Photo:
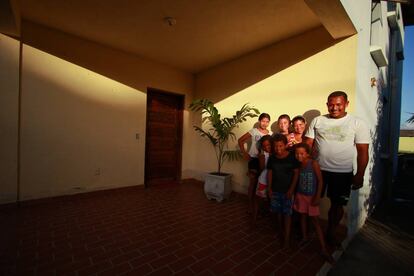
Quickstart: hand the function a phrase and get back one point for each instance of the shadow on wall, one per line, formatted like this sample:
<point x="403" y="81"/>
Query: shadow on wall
<point x="123" y="67"/>
<point x="78" y="130"/>
<point x="378" y="171"/>
<point x="224" y="80"/>
<point x="308" y="115"/>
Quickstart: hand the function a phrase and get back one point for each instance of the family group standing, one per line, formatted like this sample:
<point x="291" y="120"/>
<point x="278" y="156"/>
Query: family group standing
<point x="292" y="170"/>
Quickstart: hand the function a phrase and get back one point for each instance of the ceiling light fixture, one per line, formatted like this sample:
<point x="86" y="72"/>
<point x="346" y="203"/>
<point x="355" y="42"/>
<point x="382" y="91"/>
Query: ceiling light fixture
<point x="170" y="21"/>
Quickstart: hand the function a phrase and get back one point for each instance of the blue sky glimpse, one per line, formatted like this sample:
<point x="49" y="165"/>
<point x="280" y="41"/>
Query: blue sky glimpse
<point x="407" y="101"/>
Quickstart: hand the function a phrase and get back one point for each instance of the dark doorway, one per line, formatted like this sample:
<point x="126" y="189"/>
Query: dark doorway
<point x="164" y="133"/>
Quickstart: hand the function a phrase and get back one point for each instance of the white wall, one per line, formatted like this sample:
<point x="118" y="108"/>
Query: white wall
<point x="369" y="105"/>
<point x="9" y="93"/>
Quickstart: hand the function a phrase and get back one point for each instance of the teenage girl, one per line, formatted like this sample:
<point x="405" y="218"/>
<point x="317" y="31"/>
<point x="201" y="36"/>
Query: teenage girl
<point x="251" y="156"/>
<point x="299" y="126"/>
<point x="283" y="123"/>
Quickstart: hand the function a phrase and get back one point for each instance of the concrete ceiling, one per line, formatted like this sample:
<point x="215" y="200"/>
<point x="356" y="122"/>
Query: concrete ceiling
<point x="206" y="32"/>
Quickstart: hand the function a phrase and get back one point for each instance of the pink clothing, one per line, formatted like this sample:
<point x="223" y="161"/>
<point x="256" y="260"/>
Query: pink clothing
<point x="303" y="205"/>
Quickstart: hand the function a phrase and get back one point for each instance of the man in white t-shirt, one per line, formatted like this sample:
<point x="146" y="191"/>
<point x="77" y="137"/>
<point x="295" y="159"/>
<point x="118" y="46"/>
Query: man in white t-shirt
<point x="335" y="138"/>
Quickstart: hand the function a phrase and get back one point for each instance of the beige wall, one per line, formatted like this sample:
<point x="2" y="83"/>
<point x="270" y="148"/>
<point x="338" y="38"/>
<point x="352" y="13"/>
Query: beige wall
<point x="9" y="93"/>
<point x="299" y="89"/>
<point x="123" y="67"/>
<point x="227" y="79"/>
<point x="82" y="106"/>
<point x="78" y="129"/>
<point x="80" y="114"/>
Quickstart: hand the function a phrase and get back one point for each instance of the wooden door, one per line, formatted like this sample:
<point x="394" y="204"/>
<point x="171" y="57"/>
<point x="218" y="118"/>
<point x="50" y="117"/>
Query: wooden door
<point x="163" y="137"/>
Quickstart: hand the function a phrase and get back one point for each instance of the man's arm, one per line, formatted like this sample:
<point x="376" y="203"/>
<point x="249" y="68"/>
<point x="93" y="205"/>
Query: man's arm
<point x="362" y="162"/>
<point x="310" y="141"/>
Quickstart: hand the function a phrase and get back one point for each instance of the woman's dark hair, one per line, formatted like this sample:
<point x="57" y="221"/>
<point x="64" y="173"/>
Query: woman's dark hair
<point x="264" y="138"/>
<point x="280" y="138"/>
<point x="283" y="116"/>
<point x="264" y="115"/>
<point x="304" y="146"/>
<point x="298" y="118"/>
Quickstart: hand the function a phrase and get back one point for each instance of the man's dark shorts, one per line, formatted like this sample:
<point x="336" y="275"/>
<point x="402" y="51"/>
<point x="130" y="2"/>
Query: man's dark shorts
<point x="339" y="186"/>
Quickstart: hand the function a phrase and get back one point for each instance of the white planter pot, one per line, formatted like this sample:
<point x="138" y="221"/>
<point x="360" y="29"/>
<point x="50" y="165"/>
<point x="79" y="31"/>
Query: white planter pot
<point x="217" y="187"/>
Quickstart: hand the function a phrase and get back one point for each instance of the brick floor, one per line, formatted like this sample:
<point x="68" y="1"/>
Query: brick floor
<point x="162" y="230"/>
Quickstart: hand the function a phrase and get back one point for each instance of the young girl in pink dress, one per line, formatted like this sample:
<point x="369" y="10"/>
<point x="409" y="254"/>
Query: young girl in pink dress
<point x="308" y="195"/>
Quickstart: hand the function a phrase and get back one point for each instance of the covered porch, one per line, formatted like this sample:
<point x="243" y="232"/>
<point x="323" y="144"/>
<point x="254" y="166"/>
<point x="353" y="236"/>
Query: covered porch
<point x="170" y="229"/>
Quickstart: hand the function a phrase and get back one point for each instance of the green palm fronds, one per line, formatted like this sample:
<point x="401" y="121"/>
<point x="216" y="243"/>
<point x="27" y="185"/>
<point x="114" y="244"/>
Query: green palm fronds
<point x="221" y="130"/>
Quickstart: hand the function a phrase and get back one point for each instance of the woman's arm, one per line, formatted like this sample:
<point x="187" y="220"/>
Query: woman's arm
<point x="242" y="140"/>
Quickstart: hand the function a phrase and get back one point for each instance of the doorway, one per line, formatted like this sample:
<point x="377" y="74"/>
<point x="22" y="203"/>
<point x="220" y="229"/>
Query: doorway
<point x="164" y="133"/>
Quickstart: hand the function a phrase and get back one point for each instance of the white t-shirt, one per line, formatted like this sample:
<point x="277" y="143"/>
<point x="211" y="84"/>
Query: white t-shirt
<point x="335" y="141"/>
<point x="256" y="135"/>
<point x="263" y="174"/>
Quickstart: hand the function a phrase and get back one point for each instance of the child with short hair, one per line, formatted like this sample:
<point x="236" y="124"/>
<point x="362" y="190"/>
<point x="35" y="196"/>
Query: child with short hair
<point x="308" y="194"/>
<point x="284" y="123"/>
<point x="265" y="148"/>
<point x="251" y="156"/>
<point x="280" y="178"/>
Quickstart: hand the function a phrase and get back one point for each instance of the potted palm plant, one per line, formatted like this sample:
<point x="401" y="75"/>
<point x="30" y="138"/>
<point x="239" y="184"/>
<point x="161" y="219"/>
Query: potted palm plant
<point x="217" y="184"/>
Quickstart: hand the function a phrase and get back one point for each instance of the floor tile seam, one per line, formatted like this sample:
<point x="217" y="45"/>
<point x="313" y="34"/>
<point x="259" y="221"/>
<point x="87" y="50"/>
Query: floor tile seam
<point x="280" y="265"/>
<point x="183" y="268"/>
<point x="134" y="267"/>
<point x="97" y="265"/>
<point x="120" y="264"/>
<point x="302" y="266"/>
<point x="234" y="262"/>
<point x="126" y="254"/>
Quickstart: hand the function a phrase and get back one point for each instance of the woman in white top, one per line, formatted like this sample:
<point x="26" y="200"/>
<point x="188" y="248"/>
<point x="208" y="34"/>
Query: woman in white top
<point x="251" y="156"/>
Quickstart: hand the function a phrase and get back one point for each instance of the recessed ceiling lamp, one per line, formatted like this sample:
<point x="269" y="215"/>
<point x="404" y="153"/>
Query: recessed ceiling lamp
<point x="170" y="21"/>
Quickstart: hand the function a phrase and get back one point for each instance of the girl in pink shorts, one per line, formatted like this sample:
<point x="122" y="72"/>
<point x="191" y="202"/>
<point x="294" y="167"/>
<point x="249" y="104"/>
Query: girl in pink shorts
<point x="308" y="195"/>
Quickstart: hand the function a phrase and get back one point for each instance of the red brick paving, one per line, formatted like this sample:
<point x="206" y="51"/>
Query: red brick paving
<point x="162" y="230"/>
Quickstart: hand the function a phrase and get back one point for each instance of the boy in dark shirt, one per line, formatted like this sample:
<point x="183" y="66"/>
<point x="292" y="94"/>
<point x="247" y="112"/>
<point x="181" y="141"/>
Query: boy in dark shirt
<point x="281" y="178"/>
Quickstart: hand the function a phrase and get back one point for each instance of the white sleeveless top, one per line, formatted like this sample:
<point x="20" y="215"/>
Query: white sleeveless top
<point x="263" y="174"/>
<point x="256" y="135"/>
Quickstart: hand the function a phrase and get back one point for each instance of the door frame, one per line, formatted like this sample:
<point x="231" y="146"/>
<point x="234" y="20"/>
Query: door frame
<point x="181" y="100"/>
